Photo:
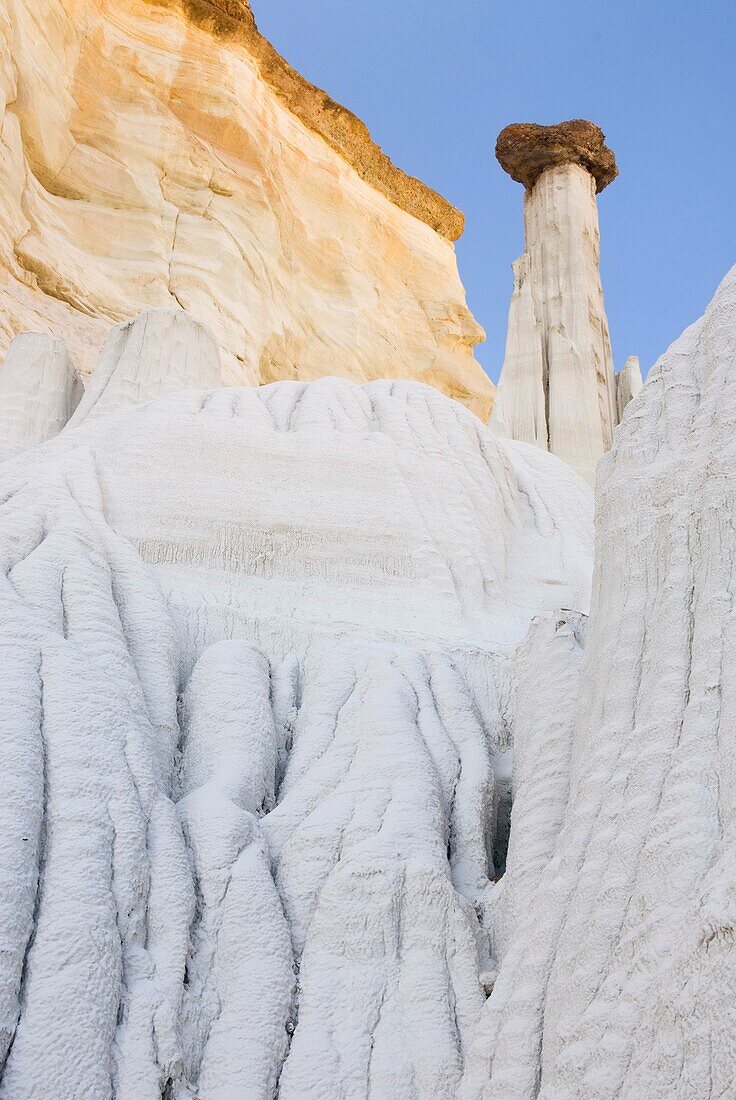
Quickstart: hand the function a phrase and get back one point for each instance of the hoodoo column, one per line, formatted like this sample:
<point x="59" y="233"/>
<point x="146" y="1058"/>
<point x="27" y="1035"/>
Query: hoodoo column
<point x="558" y="386"/>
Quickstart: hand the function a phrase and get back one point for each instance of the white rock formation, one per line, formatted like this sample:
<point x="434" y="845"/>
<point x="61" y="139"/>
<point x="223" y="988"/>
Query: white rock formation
<point x="254" y="646"/>
<point x="161" y="351"/>
<point x="557" y="388"/>
<point x="162" y="155"/>
<point x="239" y="974"/>
<point x="618" y="976"/>
<point x="546" y="686"/>
<point x="628" y="384"/>
<point x="520" y="409"/>
<point x="263" y="654"/>
<point x="39" y="391"/>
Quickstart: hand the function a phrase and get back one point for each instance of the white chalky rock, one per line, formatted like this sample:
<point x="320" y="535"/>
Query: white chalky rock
<point x="520" y="409"/>
<point x="379" y="848"/>
<point x="159" y="352"/>
<point x="240" y="978"/>
<point x="280" y="885"/>
<point x="557" y="387"/>
<point x="96" y="896"/>
<point x="39" y="391"/>
<point x="628" y="384"/>
<point x="263" y="652"/>
<point x="546" y="686"/>
<point x="619" y="977"/>
<point x="406" y="515"/>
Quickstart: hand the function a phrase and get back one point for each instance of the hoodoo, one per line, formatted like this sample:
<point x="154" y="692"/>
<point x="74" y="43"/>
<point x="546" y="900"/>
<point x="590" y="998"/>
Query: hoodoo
<point x="558" y="386"/>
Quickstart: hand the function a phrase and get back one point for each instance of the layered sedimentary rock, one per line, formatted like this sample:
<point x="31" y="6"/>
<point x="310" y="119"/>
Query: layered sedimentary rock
<point x="256" y="686"/>
<point x="617" y="972"/>
<point x="157" y="154"/>
<point x="557" y="387"/>
<point x="525" y="150"/>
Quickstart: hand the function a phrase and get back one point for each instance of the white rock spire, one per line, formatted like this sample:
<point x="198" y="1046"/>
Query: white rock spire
<point x="558" y="386"/>
<point x="628" y="384"/>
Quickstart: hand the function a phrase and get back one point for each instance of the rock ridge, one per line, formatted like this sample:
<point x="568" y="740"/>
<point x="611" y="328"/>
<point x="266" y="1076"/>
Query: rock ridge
<point x="341" y="129"/>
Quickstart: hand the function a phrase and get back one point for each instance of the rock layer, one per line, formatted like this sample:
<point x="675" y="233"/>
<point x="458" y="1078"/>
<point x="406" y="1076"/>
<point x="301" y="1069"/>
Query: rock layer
<point x="628" y="384"/>
<point x="161" y="351"/>
<point x="255" y="729"/>
<point x="233" y="20"/>
<point x="39" y="391"/>
<point x="161" y="154"/>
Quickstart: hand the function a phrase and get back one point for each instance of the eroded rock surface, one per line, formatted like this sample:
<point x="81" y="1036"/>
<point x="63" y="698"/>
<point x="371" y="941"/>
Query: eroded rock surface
<point x="264" y="654"/>
<point x="163" y="155"/>
<point x="617" y="979"/>
<point x="256" y="656"/>
<point x="628" y="384"/>
<point x="557" y="387"/>
<point x="162" y="351"/>
<point x="233" y="21"/>
<point x="39" y="391"/>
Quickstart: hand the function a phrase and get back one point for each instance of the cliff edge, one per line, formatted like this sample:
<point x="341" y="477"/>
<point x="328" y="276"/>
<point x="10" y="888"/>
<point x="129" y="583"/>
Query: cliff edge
<point x="163" y="154"/>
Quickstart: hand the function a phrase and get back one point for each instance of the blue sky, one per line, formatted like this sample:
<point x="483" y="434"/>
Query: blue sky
<point x="436" y="82"/>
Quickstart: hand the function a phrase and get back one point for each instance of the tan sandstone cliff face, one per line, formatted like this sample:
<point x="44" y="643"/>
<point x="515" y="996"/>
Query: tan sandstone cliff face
<point x="156" y="153"/>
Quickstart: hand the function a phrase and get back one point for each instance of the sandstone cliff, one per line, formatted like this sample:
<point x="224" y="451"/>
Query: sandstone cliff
<point x="160" y="152"/>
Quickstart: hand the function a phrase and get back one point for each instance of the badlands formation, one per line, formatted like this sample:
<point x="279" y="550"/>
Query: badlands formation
<point x="343" y="753"/>
<point x="258" y="683"/>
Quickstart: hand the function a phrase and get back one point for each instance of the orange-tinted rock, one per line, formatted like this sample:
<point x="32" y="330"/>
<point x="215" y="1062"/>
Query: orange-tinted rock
<point x="233" y="20"/>
<point x="162" y="155"/>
